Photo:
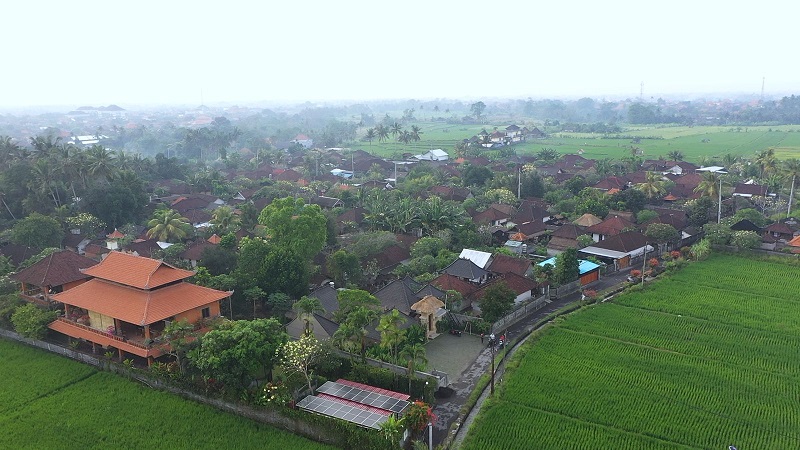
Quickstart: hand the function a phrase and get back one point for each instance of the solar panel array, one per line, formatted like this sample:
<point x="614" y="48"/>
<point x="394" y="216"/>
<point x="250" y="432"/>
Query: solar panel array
<point x="349" y="413"/>
<point x="359" y="395"/>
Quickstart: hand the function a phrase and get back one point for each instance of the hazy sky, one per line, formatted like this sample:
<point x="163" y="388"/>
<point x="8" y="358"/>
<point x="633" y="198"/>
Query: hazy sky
<point x="163" y="52"/>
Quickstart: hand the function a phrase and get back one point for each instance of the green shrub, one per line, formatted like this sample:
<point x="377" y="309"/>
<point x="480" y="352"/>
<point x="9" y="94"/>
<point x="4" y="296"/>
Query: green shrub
<point x="31" y="321"/>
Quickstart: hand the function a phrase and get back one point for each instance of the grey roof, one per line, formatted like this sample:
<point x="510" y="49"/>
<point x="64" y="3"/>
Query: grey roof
<point x="329" y="298"/>
<point x="396" y="295"/>
<point x="464" y="268"/>
<point x="430" y="289"/>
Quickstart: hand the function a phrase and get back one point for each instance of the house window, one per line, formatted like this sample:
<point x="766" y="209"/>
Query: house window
<point x="206" y="313"/>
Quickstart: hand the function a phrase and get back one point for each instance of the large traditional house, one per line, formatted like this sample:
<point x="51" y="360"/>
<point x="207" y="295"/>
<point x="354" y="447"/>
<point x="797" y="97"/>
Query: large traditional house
<point x="129" y="301"/>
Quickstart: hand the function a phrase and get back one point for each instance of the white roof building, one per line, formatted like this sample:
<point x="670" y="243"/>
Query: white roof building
<point x="433" y="155"/>
<point x="480" y="259"/>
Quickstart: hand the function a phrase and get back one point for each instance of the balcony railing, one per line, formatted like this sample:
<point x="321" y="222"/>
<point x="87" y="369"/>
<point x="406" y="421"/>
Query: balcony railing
<point x="103" y="333"/>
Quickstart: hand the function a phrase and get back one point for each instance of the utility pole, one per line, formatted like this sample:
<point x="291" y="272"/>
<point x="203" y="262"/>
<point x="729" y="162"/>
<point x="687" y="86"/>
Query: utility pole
<point x="519" y="182"/>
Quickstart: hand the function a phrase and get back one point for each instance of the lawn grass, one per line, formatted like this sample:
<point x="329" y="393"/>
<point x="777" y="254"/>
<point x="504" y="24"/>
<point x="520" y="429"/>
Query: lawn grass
<point x="705" y="359"/>
<point x="52" y="402"/>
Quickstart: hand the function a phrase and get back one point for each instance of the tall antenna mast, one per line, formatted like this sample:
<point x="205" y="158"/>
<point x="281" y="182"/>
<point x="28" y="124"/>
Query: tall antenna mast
<point x="763" y="80"/>
<point x="641" y="91"/>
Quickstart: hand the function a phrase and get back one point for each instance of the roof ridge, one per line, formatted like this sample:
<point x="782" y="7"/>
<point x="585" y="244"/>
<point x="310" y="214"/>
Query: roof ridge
<point x="146" y="308"/>
<point x="147" y="283"/>
<point x="47" y="269"/>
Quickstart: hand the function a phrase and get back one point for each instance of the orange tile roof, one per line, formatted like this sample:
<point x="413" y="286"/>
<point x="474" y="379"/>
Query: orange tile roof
<point x="136" y="271"/>
<point x="138" y="306"/>
<point x="214" y="239"/>
<point x="794" y="242"/>
<point x="116" y="235"/>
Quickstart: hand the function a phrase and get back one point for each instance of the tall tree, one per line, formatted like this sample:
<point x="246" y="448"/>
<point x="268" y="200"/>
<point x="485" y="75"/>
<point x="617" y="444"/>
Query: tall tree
<point x="292" y="224"/>
<point x="370" y="136"/>
<point x="237" y="352"/>
<point x="37" y="231"/>
<point x="391" y="334"/>
<point x="791" y="170"/>
<point x="307" y="307"/>
<point x="414" y="355"/>
<point x="497" y="301"/>
<point x="566" y="269"/>
<point x="396" y="129"/>
<point x="477" y="109"/>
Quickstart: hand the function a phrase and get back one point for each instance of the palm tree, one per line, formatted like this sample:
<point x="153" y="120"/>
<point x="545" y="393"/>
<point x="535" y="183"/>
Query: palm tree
<point x="395" y="129"/>
<point x="415" y="133"/>
<point x="382" y="132"/>
<point x="225" y="220"/>
<point x="652" y="186"/>
<point x="766" y="161"/>
<point x="168" y="225"/>
<point x="391" y="334"/>
<point x="709" y="186"/>
<point x="413" y="354"/>
<point x="405" y="137"/>
<point x="44" y="180"/>
<point x="675" y="155"/>
<point x="307" y="307"/>
<point x="791" y="169"/>
<point x="604" y="167"/>
<point x="101" y="161"/>
<point x="370" y="136"/>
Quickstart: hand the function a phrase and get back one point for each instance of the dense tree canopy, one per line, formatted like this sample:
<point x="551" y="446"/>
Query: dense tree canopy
<point x="293" y="224"/>
<point x="37" y="231"/>
<point x="497" y="301"/>
<point x="237" y="352"/>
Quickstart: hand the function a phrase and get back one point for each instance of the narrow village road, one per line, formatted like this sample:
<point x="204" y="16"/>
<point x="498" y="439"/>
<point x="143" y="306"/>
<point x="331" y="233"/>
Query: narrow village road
<point x="447" y="409"/>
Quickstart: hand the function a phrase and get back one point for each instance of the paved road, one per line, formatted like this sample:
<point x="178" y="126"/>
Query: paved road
<point x="447" y="409"/>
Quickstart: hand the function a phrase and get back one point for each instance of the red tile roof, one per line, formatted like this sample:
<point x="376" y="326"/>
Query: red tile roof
<point x="610" y="227"/>
<point x="116" y="234"/>
<point x="137" y="306"/>
<point x="136" y="271"/>
<point x="504" y="264"/>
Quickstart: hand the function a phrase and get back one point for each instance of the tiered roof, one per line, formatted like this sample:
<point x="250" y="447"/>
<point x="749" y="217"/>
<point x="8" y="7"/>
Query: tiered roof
<point x="136" y="271"/>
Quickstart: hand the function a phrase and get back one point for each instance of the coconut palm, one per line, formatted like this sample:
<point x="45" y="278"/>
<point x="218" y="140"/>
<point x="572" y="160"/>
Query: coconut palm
<point x="604" y="167"/>
<point x="44" y="180"/>
<point x="791" y="170"/>
<point x="382" y="133"/>
<point x="307" y="307"/>
<point x="168" y="225"/>
<point x="709" y="186"/>
<point x="766" y="161"/>
<point x="415" y="133"/>
<point x="395" y="129"/>
<point x="391" y="334"/>
<point x="675" y="155"/>
<point x="101" y="161"/>
<point x="652" y="186"/>
<point x="370" y="136"/>
<point x="414" y="355"/>
<point x="225" y="220"/>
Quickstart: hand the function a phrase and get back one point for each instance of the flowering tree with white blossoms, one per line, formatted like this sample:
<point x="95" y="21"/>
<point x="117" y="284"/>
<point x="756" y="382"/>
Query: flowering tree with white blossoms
<point x="298" y="356"/>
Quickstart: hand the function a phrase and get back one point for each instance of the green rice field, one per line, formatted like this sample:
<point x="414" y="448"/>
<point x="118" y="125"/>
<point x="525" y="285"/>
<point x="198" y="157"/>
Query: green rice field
<point x="48" y="402"/>
<point x="696" y="143"/>
<point x="704" y="359"/>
